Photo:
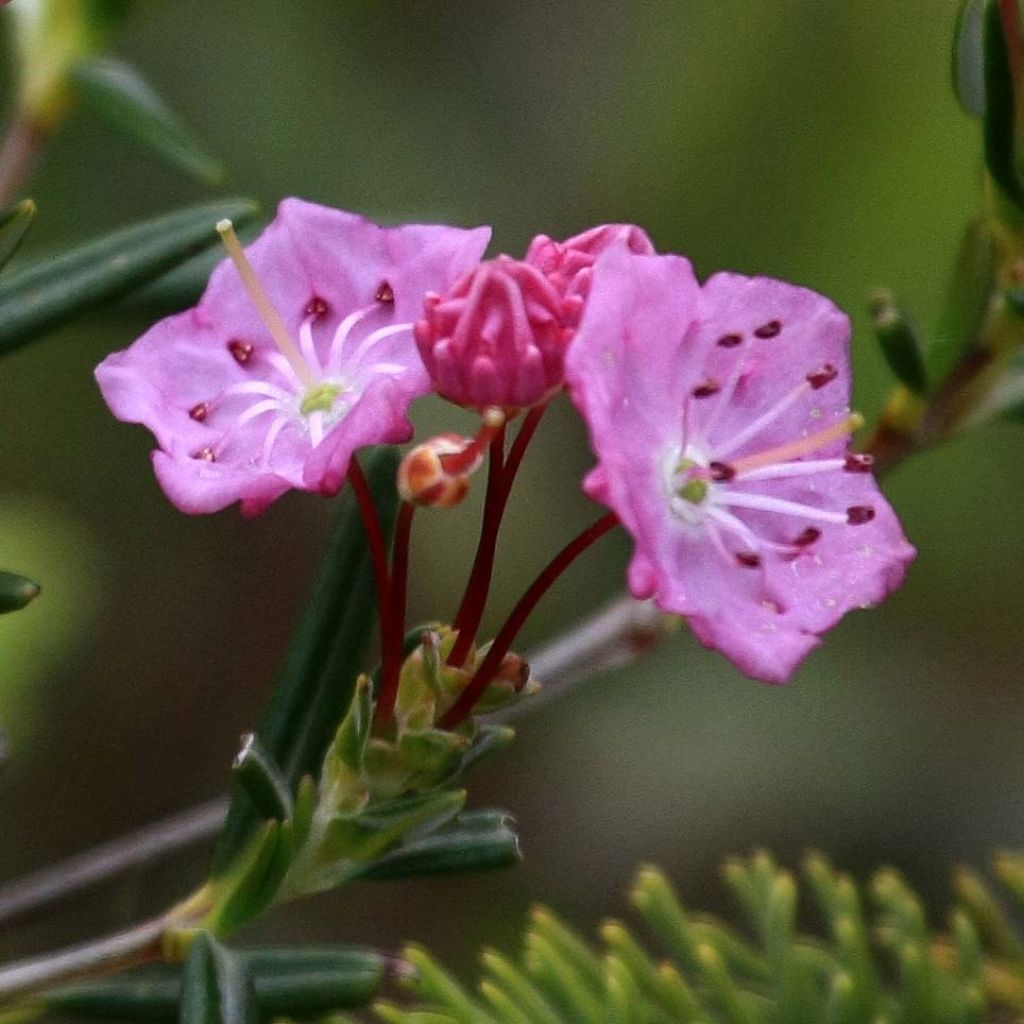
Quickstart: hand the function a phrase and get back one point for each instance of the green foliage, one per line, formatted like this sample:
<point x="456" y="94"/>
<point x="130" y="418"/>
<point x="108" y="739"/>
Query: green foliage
<point x="302" y="982"/>
<point x="15" y="221"/>
<point x="118" y="92"/>
<point x="865" y="966"/>
<point x="1000" y="107"/>
<point x="44" y="295"/>
<point x="899" y="341"/>
<point x="317" y="681"/>
<point x="16" y="591"/>
<point x="969" y="58"/>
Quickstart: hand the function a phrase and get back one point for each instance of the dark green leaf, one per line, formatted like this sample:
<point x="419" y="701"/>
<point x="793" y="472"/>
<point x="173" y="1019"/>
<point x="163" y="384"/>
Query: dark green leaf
<point x="16" y="591"/>
<point x="899" y="341"/>
<point x="41" y="297"/>
<point x="965" y="306"/>
<point x="476" y="841"/>
<point x="1000" y="123"/>
<point x="301" y="982"/>
<point x="119" y="93"/>
<point x="317" y="681"/>
<point x="104" y="15"/>
<point x="215" y="986"/>
<point x="14" y="224"/>
<point x="969" y="57"/>
<point x="261" y="778"/>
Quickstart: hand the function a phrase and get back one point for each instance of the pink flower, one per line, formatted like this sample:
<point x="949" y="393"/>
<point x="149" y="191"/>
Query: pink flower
<point x="242" y="412"/>
<point x="497" y="338"/>
<point x="720" y="419"/>
<point x="568" y="265"/>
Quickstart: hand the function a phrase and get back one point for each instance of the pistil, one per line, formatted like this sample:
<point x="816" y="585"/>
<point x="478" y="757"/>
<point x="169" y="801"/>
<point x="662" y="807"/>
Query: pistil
<point x="797" y="449"/>
<point x="264" y="306"/>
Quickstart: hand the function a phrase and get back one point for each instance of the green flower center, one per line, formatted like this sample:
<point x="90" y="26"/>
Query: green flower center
<point x="320" y="398"/>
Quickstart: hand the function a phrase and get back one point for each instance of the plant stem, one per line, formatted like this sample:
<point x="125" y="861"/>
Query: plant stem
<point x="139" y="945"/>
<point x="507" y="634"/>
<point x="392" y="655"/>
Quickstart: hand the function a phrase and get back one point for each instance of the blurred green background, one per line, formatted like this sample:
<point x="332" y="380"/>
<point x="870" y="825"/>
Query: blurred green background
<point x="815" y="142"/>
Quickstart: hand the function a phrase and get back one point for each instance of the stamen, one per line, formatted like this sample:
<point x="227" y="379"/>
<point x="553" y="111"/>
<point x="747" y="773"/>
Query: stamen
<point x="748" y="559"/>
<point x="807" y="537"/>
<point x="822" y="376"/>
<point x="859" y="462"/>
<point x="375" y="338"/>
<point x="206" y="454"/>
<point x="264" y="306"/>
<point x="341" y="336"/>
<point x="721" y="471"/>
<point x="858" y="515"/>
<point x="385" y="293"/>
<point x="317" y="307"/>
<point x="780" y="506"/>
<point x="709" y="387"/>
<point x="800" y="467"/>
<point x="764" y="420"/>
<point x="199" y="412"/>
<point x="307" y="345"/>
<point x="730" y="340"/>
<point x="768" y="330"/>
<point x="804" y="446"/>
<point x="241" y="351"/>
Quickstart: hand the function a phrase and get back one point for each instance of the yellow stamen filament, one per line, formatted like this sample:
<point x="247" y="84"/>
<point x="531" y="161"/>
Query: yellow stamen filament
<point x="263" y="304"/>
<point x="805" y="446"/>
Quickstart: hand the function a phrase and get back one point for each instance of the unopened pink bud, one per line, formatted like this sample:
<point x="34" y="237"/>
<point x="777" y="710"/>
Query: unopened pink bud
<point x="568" y="265"/>
<point x="498" y="338"/>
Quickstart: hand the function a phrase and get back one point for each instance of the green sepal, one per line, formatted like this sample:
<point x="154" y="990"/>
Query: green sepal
<point x="900" y="342"/>
<point x="475" y="841"/>
<point x="215" y="986"/>
<point x="14" y="224"/>
<point x="46" y="294"/>
<point x="1000" y="123"/>
<point x="251" y="887"/>
<point x="119" y="93"/>
<point x="258" y="774"/>
<point x="342" y="788"/>
<point x="318" y="679"/>
<point x="300" y="982"/>
<point x="968" y="65"/>
<point x="368" y="834"/>
<point x="16" y="592"/>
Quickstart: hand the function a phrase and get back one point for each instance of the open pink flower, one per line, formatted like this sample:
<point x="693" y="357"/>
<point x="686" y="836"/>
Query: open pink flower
<point x="242" y="412"/>
<point x="721" y="423"/>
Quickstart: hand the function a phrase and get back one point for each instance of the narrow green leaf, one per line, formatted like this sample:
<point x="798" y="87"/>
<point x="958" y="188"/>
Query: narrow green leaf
<point x="477" y="841"/>
<point x="215" y="987"/>
<point x="969" y="58"/>
<point x="261" y="778"/>
<point x="44" y="295"/>
<point x="16" y="591"/>
<point x="251" y="887"/>
<point x="14" y="224"/>
<point x="899" y="341"/>
<point x="317" y="681"/>
<point x="119" y="93"/>
<point x="301" y="982"/>
<point x="1000" y="122"/>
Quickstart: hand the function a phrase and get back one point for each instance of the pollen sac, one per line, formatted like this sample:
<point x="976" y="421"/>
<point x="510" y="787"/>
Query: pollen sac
<point x="498" y="338"/>
<point x="423" y="478"/>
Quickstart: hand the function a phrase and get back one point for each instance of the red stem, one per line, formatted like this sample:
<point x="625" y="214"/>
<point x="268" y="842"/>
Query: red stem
<point x="391" y="668"/>
<point x="507" y="634"/>
<point x="499" y="486"/>
<point x="378" y="547"/>
<point x="467" y="619"/>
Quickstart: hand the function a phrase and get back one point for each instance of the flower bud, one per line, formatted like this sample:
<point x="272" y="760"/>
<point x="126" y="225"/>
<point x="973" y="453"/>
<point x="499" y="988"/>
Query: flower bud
<point x="423" y="479"/>
<point x="498" y="338"/>
<point x="568" y="265"/>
